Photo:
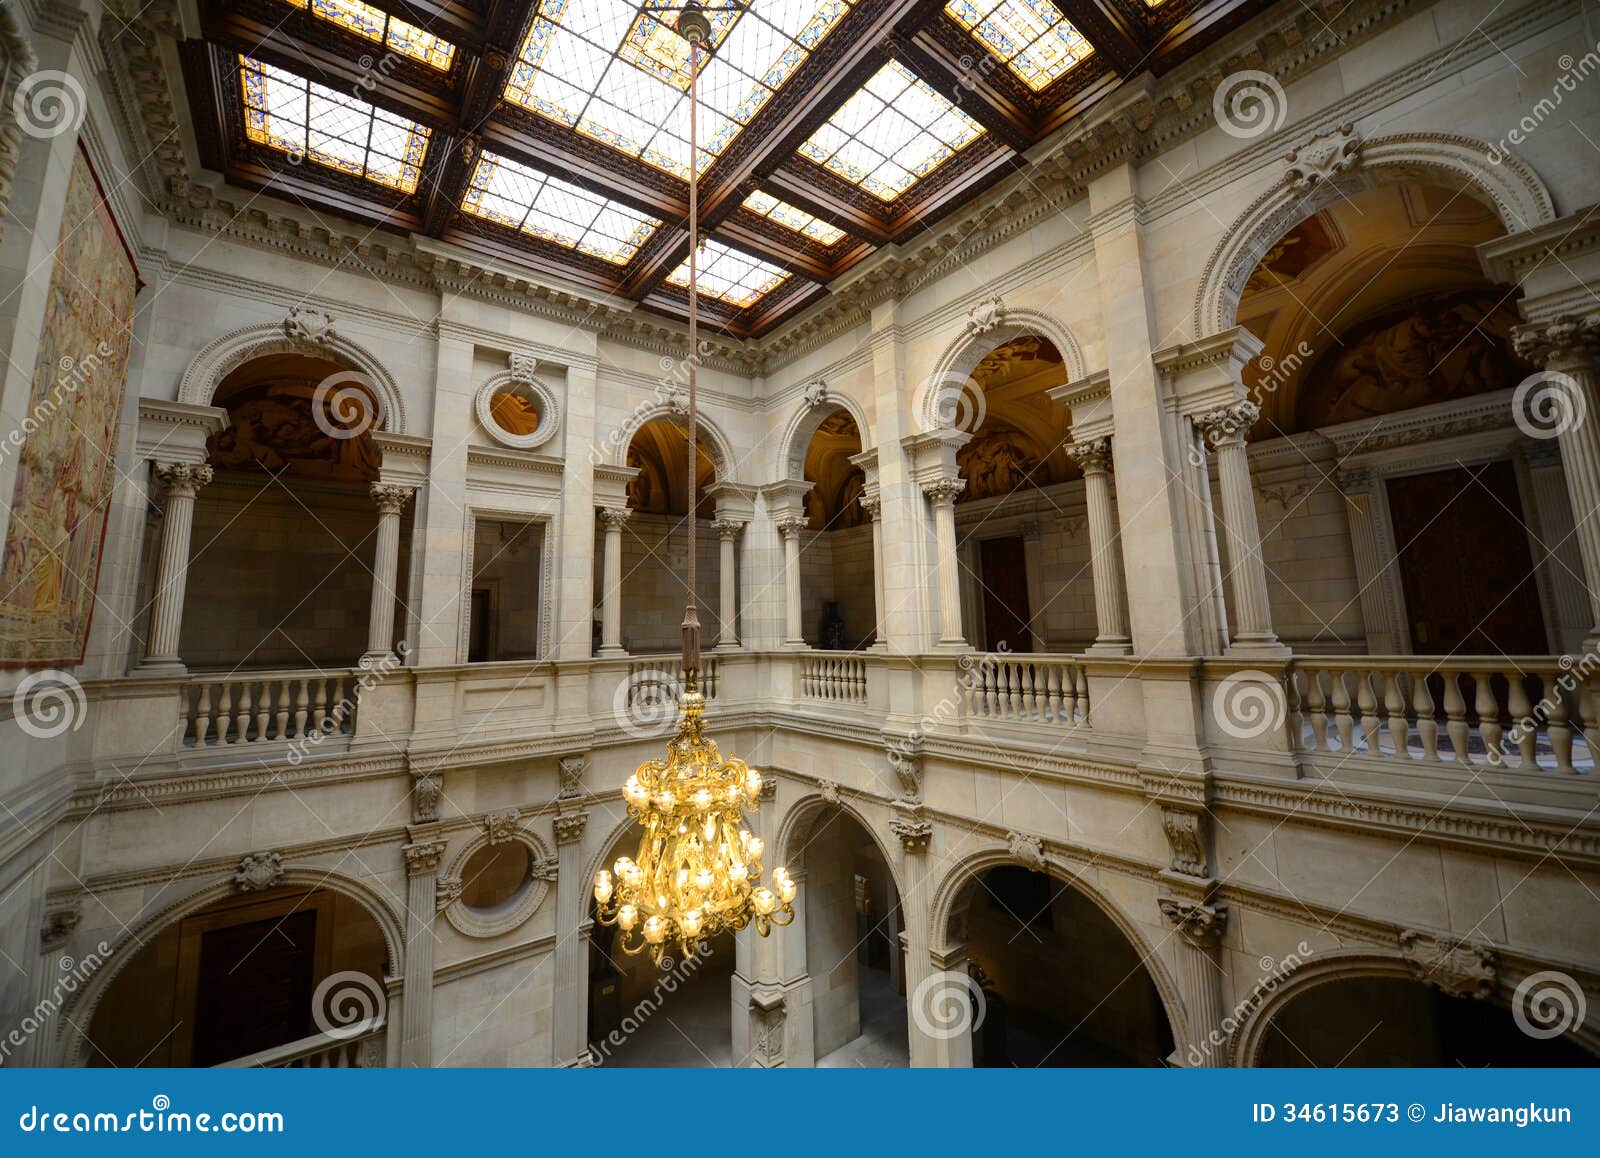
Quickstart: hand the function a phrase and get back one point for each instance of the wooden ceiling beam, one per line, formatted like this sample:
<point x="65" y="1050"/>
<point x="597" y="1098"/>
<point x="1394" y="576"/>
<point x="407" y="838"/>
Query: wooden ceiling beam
<point x="964" y="85"/>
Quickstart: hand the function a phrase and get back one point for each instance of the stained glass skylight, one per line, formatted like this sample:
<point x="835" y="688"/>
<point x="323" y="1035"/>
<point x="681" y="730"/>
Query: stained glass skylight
<point x="542" y="206"/>
<point x="796" y="219"/>
<point x="381" y="28"/>
<point x="1033" y="38"/>
<point x="730" y="276"/>
<point x="620" y="76"/>
<point x="891" y="134"/>
<point x="305" y="120"/>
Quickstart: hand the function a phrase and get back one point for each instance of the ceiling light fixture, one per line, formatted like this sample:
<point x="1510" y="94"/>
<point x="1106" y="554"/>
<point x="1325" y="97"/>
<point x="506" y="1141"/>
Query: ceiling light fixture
<point x="698" y="869"/>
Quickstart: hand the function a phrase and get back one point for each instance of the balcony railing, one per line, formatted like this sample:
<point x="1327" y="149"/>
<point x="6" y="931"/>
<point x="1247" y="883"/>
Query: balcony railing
<point x="652" y="678"/>
<point x="321" y="1051"/>
<point x="1050" y="690"/>
<point x="837" y="677"/>
<point x="250" y="707"/>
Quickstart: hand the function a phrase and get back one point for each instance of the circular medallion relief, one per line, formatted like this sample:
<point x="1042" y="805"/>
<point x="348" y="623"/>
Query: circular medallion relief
<point x="518" y="411"/>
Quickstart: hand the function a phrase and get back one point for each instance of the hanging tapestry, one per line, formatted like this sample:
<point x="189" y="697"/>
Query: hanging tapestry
<point x="66" y="458"/>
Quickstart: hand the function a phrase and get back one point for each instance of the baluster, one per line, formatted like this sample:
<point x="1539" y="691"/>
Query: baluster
<point x="1341" y="710"/>
<point x="1317" y="708"/>
<point x="1082" y="674"/>
<point x="1488" y="708"/>
<point x="1297" y="721"/>
<point x="1455" y="711"/>
<point x="1394" y="705"/>
<point x="300" y="700"/>
<point x="280" y="721"/>
<point x="224" y="712"/>
<point x="189" y="696"/>
<point x="263" y="708"/>
<point x="1050" y="709"/>
<point x="1035" y="700"/>
<point x="1524" y="728"/>
<point x="1367" y="704"/>
<point x="1427" y="722"/>
<point x="319" y="705"/>
<point x="241" y="718"/>
<point x="1582" y="714"/>
<point x="1559" y="727"/>
<point x="202" y="715"/>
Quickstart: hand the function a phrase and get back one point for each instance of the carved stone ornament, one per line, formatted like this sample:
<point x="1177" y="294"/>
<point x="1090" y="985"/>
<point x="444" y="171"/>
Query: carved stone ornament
<point x="816" y="394"/>
<point x="546" y="870"/>
<point x="769" y="789"/>
<point x="183" y="478"/>
<point x="496" y="58"/>
<point x="614" y="516"/>
<point x="1199" y="924"/>
<point x="390" y="497"/>
<point x="523" y="367"/>
<point x="258" y="871"/>
<point x="425" y="793"/>
<point x="570" y="769"/>
<point x="501" y="826"/>
<point x="913" y="835"/>
<point x="872" y="505"/>
<point x="1092" y="454"/>
<point x="307" y="325"/>
<point x="1227" y="423"/>
<point x="60" y="921"/>
<point x="446" y="892"/>
<point x="570" y="828"/>
<point x="908" y="770"/>
<point x="1186" y="836"/>
<point x="1323" y="157"/>
<point x="830" y="792"/>
<point x="768" y="1020"/>
<point x="944" y="490"/>
<point x="677" y="401"/>
<point x="423" y="856"/>
<point x="727" y="529"/>
<point x="1026" y="850"/>
<point x="792" y="526"/>
<point x="1563" y="343"/>
<point x="1459" y="968"/>
<point x="987" y="315"/>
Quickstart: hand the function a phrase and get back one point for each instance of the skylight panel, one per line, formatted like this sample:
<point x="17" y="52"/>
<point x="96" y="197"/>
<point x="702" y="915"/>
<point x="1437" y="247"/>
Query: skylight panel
<point x="305" y="120"/>
<point x="1033" y="38"/>
<point x="542" y="206"/>
<point x="792" y="218"/>
<point x="621" y="76"/>
<point x="730" y="276"/>
<point x="891" y="134"/>
<point x="381" y="28"/>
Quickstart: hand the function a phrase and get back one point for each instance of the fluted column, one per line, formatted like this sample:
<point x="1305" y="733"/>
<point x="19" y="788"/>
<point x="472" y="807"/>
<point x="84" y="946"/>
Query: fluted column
<point x="391" y="500"/>
<point x="1564" y="403"/>
<point x="926" y="989"/>
<point x="571" y="1015"/>
<point x="1200" y="927"/>
<point x="1105" y="553"/>
<point x="612" y="519"/>
<point x="873" y="505"/>
<point x="1224" y="430"/>
<point x="728" y="581"/>
<point x="422" y="883"/>
<point x="183" y="480"/>
<point x="942" y="494"/>
<point x="793" y="628"/>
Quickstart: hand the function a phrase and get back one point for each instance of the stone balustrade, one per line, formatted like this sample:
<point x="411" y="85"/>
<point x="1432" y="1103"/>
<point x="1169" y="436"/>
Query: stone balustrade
<point x="321" y="1051"/>
<point x="1050" y="690"/>
<point x="838" y="677"/>
<point x="255" y="707"/>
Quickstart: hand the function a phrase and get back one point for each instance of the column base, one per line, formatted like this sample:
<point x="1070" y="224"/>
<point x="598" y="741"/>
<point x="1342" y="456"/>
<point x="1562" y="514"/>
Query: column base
<point x="161" y="666"/>
<point x="952" y="645"/>
<point x="1111" y="646"/>
<point x="879" y="645"/>
<point x="614" y="652"/>
<point x="584" y="1061"/>
<point x="731" y="645"/>
<point x="378" y="656"/>
<point x="1264" y="646"/>
<point x="796" y="645"/>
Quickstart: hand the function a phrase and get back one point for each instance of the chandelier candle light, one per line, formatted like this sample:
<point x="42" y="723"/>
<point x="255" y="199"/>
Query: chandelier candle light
<point x="698" y="868"/>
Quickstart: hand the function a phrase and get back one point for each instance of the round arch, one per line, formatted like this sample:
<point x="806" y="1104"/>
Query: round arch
<point x="712" y="439"/>
<point x="802" y="817"/>
<point x="227" y="353"/>
<point x="1249" y="1039"/>
<point x="603" y="854"/>
<point x="803" y="424"/>
<point x="956" y="889"/>
<point x="961" y="357"/>
<point x="1517" y="194"/>
<point x="78" y="1012"/>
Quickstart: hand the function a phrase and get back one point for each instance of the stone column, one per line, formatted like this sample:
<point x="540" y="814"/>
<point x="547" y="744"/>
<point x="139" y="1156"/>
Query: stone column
<point x="182" y="479"/>
<point x="942" y="494"/>
<point x="1564" y="403"/>
<point x="1556" y="550"/>
<point x="927" y="991"/>
<point x="613" y="519"/>
<point x="571" y="1017"/>
<point x="873" y="505"/>
<point x="1375" y="570"/>
<point x="728" y="579"/>
<point x="391" y="500"/>
<point x="1200" y="928"/>
<point x="422" y="882"/>
<point x="793" y="628"/>
<point x="1224" y="431"/>
<point x="1105" y="553"/>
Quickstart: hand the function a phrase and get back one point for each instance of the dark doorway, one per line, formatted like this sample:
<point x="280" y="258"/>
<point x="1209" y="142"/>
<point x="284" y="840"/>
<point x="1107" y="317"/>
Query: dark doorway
<point x="254" y="987"/>
<point x="1465" y="565"/>
<point x="1003" y="572"/>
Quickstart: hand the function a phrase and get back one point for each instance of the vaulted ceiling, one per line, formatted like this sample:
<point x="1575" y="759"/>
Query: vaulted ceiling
<point x="553" y="134"/>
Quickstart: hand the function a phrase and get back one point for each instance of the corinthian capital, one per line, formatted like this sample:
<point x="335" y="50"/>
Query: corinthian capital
<point x="1199" y="924"/>
<point x="1564" y="343"/>
<point x="614" y="516"/>
<point x="1227" y="424"/>
<point x="944" y="490"/>
<point x="390" y="497"/>
<point x="183" y="478"/>
<point x="1091" y="455"/>
<point x="792" y="526"/>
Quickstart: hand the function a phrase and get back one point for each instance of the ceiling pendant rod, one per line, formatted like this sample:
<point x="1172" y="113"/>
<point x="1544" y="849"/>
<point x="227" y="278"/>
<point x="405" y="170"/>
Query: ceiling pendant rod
<point x="693" y="27"/>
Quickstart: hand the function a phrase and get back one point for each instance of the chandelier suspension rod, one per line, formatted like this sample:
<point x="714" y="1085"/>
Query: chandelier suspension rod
<point x="691" y="613"/>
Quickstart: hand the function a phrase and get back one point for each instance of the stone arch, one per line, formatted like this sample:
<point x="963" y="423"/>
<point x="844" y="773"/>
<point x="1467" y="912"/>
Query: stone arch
<point x="955" y="891"/>
<point x="803" y="424"/>
<point x="711" y="439"/>
<point x="78" y="1012"/>
<point x="802" y="817"/>
<point x="227" y="353"/>
<point x="1465" y="164"/>
<point x="601" y="859"/>
<point x="976" y="342"/>
<point x="1249" y="1038"/>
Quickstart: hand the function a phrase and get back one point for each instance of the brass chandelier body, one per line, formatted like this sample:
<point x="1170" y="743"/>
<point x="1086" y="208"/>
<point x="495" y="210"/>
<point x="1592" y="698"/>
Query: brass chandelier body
<point x="698" y="869"/>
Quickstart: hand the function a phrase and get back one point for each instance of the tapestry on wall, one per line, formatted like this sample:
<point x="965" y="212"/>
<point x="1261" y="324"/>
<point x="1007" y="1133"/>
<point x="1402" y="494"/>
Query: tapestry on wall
<point x="65" y="465"/>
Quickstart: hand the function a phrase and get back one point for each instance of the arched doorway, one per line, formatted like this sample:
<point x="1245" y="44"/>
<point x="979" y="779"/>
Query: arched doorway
<point x="1395" y="1021"/>
<point x="676" y="1014"/>
<point x="1061" y="984"/>
<point x="239" y="976"/>
<point x="836" y="557"/>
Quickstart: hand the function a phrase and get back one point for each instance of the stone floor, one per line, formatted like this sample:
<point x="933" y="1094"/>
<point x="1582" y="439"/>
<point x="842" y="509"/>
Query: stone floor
<point x="693" y="1028"/>
<point x="883" y="1042"/>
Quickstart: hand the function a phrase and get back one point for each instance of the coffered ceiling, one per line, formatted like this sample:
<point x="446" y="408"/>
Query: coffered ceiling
<point x="554" y="134"/>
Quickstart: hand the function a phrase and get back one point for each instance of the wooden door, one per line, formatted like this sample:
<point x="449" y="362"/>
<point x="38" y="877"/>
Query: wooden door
<point x="1465" y="566"/>
<point x="253" y="987"/>
<point x="1003" y="571"/>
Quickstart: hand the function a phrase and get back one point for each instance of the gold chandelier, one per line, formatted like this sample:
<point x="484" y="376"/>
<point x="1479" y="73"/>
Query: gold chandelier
<point x="698" y="869"/>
